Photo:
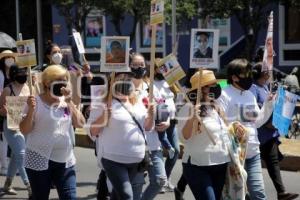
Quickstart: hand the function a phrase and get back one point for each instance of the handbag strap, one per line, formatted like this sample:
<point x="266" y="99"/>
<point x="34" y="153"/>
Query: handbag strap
<point x="135" y="120"/>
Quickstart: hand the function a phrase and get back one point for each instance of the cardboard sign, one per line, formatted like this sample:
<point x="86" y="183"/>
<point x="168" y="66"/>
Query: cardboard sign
<point x="15" y="106"/>
<point x="26" y="53"/>
<point x="157" y="12"/>
<point x="283" y="111"/>
<point x="267" y="64"/>
<point x="79" y="42"/>
<point x="171" y="69"/>
<point x="204" y="48"/>
<point x="115" y="54"/>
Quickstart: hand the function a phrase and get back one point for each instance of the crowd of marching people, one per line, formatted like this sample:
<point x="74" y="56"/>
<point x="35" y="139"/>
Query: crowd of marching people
<point x="226" y="132"/>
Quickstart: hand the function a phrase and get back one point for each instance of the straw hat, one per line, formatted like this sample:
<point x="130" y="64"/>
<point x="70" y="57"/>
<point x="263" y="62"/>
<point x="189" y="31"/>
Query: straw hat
<point x="208" y="78"/>
<point x="7" y="53"/>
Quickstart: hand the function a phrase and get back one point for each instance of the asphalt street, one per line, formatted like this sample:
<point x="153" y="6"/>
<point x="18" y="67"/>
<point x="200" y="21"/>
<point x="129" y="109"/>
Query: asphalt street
<point x="87" y="174"/>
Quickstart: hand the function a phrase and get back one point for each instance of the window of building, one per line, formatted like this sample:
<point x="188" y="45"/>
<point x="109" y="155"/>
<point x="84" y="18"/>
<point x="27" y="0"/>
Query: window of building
<point x="289" y="36"/>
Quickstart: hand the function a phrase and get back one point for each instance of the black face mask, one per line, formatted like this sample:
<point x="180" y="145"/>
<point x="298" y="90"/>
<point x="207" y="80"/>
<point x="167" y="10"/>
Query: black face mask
<point x="21" y="79"/>
<point x="215" y="91"/>
<point x="244" y="83"/>
<point x="139" y="72"/>
<point x="124" y="88"/>
<point x="192" y="95"/>
<point x="57" y="89"/>
<point x="159" y="76"/>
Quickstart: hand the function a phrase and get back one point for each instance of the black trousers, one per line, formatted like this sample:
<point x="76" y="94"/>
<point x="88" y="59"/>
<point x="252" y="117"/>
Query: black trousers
<point x="271" y="155"/>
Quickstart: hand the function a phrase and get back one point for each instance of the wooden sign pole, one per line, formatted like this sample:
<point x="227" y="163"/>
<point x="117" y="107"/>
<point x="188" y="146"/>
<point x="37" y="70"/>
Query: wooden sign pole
<point x="29" y="71"/>
<point x="110" y="94"/>
<point x="152" y="61"/>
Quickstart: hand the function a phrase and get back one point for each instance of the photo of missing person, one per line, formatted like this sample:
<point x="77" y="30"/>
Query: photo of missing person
<point x="94" y="30"/>
<point x="116" y="51"/>
<point x="146" y="34"/>
<point x="203" y="45"/>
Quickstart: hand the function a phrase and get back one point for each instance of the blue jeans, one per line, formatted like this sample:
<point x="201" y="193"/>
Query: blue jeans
<point x="255" y="182"/>
<point x="157" y="176"/>
<point x="16" y="142"/>
<point x="63" y="178"/>
<point x="121" y="176"/>
<point x="206" y="182"/>
<point x="174" y="141"/>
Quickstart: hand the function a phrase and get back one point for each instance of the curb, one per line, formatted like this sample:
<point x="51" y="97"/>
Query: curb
<point x="290" y="149"/>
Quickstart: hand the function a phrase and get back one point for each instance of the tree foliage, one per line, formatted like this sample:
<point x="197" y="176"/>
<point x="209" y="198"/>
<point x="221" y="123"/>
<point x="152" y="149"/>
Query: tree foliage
<point x="75" y="12"/>
<point x="186" y="10"/>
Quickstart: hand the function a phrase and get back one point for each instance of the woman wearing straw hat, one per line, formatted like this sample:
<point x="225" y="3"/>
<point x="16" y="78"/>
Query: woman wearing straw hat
<point x="15" y="138"/>
<point x="205" y="155"/>
<point x="7" y="59"/>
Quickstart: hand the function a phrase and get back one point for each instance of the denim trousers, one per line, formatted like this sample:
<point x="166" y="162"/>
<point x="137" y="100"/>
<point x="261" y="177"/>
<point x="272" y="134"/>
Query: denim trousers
<point x="63" y="178"/>
<point x="16" y="142"/>
<point x="121" y="176"/>
<point x="174" y="141"/>
<point x="157" y="178"/>
<point x="206" y="182"/>
<point x="255" y="182"/>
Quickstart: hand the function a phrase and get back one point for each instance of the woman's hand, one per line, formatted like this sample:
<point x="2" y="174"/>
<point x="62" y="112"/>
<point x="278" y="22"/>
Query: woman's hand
<point x="162" y="126"/>
<point x="31" y="102"/>
<point x="67" y="94"/>
<point x="239" y="130"/>
<point x="3" y="110"/>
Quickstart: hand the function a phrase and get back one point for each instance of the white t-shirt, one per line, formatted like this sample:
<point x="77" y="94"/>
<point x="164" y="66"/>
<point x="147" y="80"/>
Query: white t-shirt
<point x="199" y="148"/>
<point x="122" y="141"/>
<point x="242" y="106"/>
<point x="50" y="137"/>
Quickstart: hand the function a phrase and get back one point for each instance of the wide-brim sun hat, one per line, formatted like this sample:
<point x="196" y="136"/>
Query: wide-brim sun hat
<point x="8" y="53"/>
<point x="208" y="78"/>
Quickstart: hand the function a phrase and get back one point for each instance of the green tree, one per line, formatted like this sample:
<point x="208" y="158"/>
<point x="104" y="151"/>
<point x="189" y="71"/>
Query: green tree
<point x="186" y="11"/>
<point x="75" y="12"/>
<point x="251" y="14"/>
<point x="118" y="9"/>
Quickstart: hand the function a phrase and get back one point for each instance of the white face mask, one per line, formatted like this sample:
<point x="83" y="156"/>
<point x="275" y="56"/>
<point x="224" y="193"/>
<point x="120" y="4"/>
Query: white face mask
<point x="56" y="58"/>
<point x="9" y="62"/>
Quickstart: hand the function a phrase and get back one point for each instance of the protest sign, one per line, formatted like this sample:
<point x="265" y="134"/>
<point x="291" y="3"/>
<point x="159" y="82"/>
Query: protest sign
<point x="26" y="53"/>
<point x="79" y="42"/>
<point x="98" y="93"/>
<point x="15" y="106"/>
<point x="157" y="12"/>
<point x="95" y="29"/>
<point x="284" y="109"/>
<point x="171" y="69"/>
<point x="204" y="48"/>
<point x="115" y="54"/>
<point x="267" y="64"/>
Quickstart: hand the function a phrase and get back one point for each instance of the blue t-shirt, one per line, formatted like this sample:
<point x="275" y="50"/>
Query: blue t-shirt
<point x="265" y="134"/>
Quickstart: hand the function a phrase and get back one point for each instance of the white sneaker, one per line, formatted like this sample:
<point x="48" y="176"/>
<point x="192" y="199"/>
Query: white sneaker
<point x="169" y="187"/>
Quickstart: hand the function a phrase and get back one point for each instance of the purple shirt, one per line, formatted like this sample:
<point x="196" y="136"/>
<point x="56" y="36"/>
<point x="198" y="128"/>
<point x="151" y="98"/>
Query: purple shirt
<point x="261" y="93"/>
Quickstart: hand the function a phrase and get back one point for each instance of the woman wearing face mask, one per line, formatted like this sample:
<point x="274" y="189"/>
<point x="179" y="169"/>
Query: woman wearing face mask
<point x="15" y="139"/>
<point x="157" y="173"/>
<point x="166" y="124"/>
<point x="204" y="163"/>
<point x="7" y="59"/>
<point x="47" y="123"/>
<point x="123" y="146"/>
<point x="239" y="104"/>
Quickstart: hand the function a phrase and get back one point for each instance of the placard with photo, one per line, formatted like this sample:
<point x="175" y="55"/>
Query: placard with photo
<point x="115" y="54"/>
<point x="157" y="12"/>
<point x="94" y="29"/>
<point x="171" y="69"/>
<point x="26" y="53"/>
<point x="204" y="48"/>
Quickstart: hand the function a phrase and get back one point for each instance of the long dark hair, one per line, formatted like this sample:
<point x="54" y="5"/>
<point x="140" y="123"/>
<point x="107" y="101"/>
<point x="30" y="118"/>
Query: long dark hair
<point x="49" y="47"/>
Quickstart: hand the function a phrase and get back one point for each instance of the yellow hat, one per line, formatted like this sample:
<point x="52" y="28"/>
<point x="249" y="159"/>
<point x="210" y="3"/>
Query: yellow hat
<point x="208" y="78"/>
<point x="7" y="53"/>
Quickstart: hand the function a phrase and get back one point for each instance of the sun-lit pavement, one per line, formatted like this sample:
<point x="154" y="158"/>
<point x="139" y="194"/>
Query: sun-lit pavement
<point x="87" y="174"/>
